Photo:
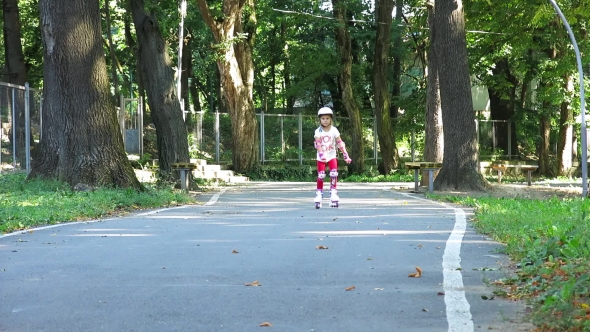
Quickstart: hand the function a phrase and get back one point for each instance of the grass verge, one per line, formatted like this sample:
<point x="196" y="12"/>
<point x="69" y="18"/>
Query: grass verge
<point x="550" y="241"/>
<point x="26" y="204"/>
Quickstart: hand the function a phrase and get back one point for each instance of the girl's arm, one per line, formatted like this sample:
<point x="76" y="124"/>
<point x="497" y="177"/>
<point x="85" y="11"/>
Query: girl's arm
<point x="342" y="147"/>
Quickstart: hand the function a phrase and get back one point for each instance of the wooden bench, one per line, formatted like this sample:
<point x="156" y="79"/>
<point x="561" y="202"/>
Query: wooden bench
<point x="185" y="171"/>
<point x="501" y="168"/>
<point x="425" y="166"/>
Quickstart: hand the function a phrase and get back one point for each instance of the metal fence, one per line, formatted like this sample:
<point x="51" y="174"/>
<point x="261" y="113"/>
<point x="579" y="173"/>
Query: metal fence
<point x="283" y="137"/>
<point x="20" y="125"/>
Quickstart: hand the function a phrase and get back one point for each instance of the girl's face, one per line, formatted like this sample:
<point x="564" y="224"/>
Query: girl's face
<point x="325" y="120"/>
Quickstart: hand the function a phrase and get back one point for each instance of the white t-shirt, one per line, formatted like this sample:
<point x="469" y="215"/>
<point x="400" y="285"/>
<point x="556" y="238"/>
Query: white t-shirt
<point x="328" y="142"/>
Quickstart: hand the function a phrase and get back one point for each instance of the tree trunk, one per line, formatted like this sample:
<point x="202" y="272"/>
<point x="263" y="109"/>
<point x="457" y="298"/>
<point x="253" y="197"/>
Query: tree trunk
<point x="114" y="76"/>
<point x="17" y="73"/>
<point x="237" y="75"/>
<point x="503" y="109"/>
<point x="343" y="39"/>
<point x="82" y="142"/>
<point x="397" y="60"/>
<point x="434" y="138"/>
<point x="459" y="171"/>
<point x="545" y="132"/>
<point x="158" y="77"/>
<point x="389" y="154"/>
<point x="565" y="142"/>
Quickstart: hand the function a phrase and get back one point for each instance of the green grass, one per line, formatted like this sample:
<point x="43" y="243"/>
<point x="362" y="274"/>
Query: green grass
<point x="550" y="241"/>
<point x="26" y="204"/>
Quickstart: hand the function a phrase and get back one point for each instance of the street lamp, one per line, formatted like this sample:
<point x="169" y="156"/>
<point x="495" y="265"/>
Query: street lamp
<point x="582" y="101"/>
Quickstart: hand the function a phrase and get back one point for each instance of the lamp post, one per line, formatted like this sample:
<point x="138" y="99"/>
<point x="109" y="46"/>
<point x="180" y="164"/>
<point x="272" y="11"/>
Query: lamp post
<point x="582" y="101"/>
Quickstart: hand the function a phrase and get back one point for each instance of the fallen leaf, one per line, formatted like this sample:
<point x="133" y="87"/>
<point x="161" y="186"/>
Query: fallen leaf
<point x="485" y="297"/>
<point x="235" y="252"/>
<point x="334" y="219"/>
<point x="441" y="293"/>
<point x="424" y="309"/>
<point x="420" y="246"/>
<point x="418" y="273"/>
<point x="321" y="247"/>
<point x="437" y="247"/>
<point x="266" y="324"/>
<point x="253" y="284"/>
<point x="349" y="288"/>
<point x="378" y="288"/>
<point x="369" y="259"/>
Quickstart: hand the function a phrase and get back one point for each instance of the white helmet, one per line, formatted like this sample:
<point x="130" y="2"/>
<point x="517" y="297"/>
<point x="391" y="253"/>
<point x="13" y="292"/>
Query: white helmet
<point x="325" y="111"/>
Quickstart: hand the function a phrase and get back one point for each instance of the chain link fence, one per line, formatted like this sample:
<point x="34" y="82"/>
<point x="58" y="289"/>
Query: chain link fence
<point x="20" y="125"/>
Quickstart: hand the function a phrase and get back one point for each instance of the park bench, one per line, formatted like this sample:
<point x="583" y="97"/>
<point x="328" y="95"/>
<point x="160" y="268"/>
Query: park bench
<point x="501" y="168"/>
<point x="185" y="170"/>
<point x="424" y="166"/>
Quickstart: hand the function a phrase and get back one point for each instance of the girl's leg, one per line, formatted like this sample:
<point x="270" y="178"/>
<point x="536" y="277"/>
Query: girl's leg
<point x="321" y="175"/>
<point x="333" y="166"/>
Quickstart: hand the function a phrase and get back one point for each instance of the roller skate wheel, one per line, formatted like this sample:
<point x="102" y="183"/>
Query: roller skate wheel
<point x="318" y="205"/>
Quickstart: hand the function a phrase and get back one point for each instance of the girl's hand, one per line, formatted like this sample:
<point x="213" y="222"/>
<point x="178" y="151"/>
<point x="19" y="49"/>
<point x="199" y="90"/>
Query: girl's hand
<point x="347" y="158"/>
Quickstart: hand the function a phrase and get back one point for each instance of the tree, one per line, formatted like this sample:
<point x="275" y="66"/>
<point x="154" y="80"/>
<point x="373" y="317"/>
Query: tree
<point x="389" y="154"/>
<point x="235" y="39"/>
<point x="158" y="78"/>
<point x="460" y="164"/>
<point x="345" y="80"/>
<point x="17" y="71"/>
<point x="81" y="144"/>
<point x="434" y="140"/>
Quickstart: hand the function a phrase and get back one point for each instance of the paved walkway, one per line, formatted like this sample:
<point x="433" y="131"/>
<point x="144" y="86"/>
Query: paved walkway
<point x="186" y="268"/>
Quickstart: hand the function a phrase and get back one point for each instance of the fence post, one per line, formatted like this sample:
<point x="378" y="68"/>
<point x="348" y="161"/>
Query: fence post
<point x="140" y="123"/>
<point x="27" y="129"/>
<point x="300" y="139"/>
<point x="14" y="124"/>
<point x="375" y="139"/>
<point x="217" y="136"/>
<point x="122" y="117"/>
<point x="262" y="136"/>
<point x="282" y="139"/>
<point x="509" y="124"/>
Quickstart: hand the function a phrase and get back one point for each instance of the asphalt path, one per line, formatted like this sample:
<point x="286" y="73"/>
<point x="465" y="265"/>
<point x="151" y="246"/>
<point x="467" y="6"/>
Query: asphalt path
<point x="260" y="254"/>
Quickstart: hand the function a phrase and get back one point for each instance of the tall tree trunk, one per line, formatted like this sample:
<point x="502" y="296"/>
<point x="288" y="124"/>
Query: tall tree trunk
<point x="158" y="77"/>
<point x="345" y="79"/>
<point x="237" y="75"/>
<point x="397" y="60"/>
<point x="544" y="147"/>
<point x="385" y="131"/>
<point x="502" y="108"/>
<point x="114" y="76"/>
<point x="565" y="141"/>
<point x="459" y="169"/>
<point x="82" y="143"/>
<point x="286" y="69"/>
<point x="434" y="145"/>
<point x="17" y="73"/>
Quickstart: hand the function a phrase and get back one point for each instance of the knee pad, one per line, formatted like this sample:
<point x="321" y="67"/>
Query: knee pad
<point x="334" y="173"/>
<point x="321" y="175"/>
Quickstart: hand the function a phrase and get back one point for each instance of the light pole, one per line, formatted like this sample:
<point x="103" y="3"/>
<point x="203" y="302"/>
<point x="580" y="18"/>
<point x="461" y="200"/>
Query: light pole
<point x="582" y="101"/>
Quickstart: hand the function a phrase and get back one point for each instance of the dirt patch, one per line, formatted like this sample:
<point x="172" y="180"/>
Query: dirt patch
<point x="535" y="191"/>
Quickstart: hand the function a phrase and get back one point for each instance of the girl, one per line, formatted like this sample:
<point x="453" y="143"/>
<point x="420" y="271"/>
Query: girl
<point x="327" y="139"/>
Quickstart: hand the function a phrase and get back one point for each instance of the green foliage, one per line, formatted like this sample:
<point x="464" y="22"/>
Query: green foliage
<point x="26" y="204"/>
<point x="551" y="240"/>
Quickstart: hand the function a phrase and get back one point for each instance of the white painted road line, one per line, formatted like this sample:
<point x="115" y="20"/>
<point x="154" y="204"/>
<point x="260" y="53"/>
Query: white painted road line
<point x="215" y="197"/>
<point x="458" y="309"/>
